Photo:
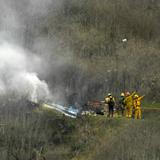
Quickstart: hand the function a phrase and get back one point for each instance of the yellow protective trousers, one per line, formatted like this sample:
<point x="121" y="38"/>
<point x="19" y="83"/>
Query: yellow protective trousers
<point x="128" y="111"/>
<point x="138" y="113"/>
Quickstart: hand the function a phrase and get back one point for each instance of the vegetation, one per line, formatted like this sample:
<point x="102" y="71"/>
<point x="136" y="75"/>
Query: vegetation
<point x="48" y="135"/>
<point x="85" y="57"/>
<point x="91" y="33"/>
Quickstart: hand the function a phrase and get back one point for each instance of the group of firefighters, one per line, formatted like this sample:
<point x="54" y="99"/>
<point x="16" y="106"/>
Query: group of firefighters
<point x="129" y="105"/>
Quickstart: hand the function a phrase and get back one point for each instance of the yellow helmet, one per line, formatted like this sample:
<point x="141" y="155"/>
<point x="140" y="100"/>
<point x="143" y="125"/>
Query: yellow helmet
<point x="122" y="94"/>
<point x="136" y="96"/>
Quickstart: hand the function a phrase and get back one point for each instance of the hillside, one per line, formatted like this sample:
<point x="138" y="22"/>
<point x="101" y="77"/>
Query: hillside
<point x="71" y="54"/>
<point x="90" y="34"/>
<point x="45" y="134"/>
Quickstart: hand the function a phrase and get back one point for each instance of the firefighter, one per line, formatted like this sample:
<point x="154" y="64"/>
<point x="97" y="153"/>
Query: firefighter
<point x="137" y="106"/>
<point x="107" y="98"/>
<point x="128" y="104"/>
<point x="121" y="104"/>
<point x="111" y="103"/>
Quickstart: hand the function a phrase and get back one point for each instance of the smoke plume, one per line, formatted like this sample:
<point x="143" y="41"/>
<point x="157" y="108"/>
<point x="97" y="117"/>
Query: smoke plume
<point x="19" y="66"/>
<point x="17" y="73"/>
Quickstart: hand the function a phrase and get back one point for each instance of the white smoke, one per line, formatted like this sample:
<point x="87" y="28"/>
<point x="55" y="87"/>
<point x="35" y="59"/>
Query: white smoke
<point x="18" y="67"/>
<point x="17" y="74"/>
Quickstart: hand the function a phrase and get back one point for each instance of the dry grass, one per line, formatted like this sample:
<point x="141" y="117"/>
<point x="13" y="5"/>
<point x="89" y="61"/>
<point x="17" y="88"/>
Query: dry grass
<point x="39" y="135"/>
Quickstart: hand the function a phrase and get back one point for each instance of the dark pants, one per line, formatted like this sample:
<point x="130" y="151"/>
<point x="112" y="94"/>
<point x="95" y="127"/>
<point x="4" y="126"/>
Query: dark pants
<point x="121" y="110"/>
<point x="111" y="110"/>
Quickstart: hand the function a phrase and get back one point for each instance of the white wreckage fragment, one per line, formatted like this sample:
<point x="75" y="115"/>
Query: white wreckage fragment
<point x="67" y="111"/>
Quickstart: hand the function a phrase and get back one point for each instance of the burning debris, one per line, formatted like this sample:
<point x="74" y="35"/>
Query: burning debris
<point x="67" y="111"/>
<point x="91" y="108"/>
<point x="95" y="106"/>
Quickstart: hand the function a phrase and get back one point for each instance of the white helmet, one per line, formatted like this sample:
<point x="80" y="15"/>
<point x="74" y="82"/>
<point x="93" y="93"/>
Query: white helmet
<point x="122" y="94"/>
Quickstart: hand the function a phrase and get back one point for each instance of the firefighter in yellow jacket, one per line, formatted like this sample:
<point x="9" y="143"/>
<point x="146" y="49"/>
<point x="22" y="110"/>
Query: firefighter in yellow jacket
<point x="129" y="104"/>
<point x="137" y="107"/>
